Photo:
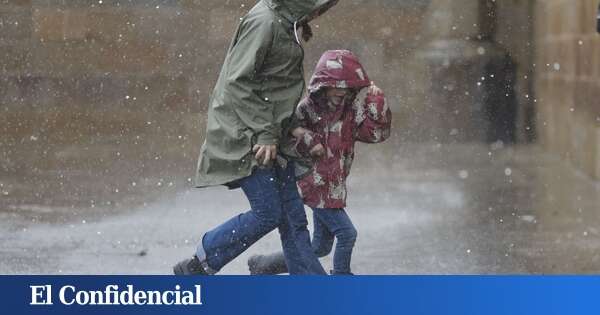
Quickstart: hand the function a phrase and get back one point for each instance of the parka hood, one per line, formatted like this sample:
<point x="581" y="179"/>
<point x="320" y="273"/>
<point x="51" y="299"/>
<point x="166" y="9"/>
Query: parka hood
<point x="338" y="69"/>
<point x="301" y="11"/>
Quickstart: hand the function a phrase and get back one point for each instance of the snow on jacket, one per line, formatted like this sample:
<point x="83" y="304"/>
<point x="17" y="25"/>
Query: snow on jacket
<point x="363" y="117"/>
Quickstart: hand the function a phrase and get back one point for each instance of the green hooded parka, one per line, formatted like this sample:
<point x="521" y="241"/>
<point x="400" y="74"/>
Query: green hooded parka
<point x="258" y="89"/>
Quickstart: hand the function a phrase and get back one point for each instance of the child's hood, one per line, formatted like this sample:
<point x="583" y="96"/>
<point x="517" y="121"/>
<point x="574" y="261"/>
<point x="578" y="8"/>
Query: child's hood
<point x="338" y="69"/>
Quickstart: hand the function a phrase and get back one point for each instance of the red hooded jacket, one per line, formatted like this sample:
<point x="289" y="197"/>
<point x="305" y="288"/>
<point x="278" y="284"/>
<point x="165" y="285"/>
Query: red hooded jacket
<point x="363" y="117"/>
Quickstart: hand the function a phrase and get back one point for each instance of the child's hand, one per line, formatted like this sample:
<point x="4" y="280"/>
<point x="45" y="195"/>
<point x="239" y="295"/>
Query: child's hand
<point x="374" y="90"/>
<point x="317" y="150"/>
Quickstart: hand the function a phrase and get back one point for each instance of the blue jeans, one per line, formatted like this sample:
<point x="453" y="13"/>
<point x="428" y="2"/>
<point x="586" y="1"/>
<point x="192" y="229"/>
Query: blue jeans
<point x="330" y="223"/>
<point x="275" y="203"/>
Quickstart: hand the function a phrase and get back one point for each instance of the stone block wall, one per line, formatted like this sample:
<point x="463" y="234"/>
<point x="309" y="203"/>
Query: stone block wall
<point x="167" y="53"/>
<point x="567" y="72"/>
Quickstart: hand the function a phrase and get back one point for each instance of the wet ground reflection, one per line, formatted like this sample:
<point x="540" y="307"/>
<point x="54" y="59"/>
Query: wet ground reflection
<point x="419" y="208"/>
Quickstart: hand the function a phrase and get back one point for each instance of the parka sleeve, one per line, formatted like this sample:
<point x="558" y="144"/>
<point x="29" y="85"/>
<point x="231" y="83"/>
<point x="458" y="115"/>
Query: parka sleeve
<point x="373" y="117"/>
<point x="244" y="80"/>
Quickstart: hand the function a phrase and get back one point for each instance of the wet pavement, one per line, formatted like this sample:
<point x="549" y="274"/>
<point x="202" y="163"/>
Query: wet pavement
<point x="419" y="209"/>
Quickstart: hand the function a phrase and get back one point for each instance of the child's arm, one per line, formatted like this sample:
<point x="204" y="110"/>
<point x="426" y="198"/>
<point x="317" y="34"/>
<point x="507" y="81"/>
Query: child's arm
<point x="308" y="143"/>
<point x="374" y="118"/>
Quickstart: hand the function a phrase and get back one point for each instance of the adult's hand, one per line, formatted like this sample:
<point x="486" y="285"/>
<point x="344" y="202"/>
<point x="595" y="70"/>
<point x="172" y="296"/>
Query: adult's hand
<point x="265" y="152"/>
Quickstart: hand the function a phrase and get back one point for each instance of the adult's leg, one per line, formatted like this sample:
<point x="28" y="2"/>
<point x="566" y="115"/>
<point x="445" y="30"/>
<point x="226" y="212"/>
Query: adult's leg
<point x="292" y="256"/>
<point x="322" y="240"/>
<point x="338" y="222"/>
<point x="227" y="241"/>
<point x="293" y="208"/>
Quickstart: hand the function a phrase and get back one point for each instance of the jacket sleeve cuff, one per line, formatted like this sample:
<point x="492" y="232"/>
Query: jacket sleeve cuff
<point x="266" y="138"/>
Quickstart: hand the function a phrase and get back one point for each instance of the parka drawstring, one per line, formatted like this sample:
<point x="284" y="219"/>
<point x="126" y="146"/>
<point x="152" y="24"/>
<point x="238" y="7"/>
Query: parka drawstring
<point x="296" y="32"/>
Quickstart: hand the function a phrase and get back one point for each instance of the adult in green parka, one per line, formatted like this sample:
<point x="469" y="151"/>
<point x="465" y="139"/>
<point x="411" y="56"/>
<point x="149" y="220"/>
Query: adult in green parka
<point x="249" y="120"/>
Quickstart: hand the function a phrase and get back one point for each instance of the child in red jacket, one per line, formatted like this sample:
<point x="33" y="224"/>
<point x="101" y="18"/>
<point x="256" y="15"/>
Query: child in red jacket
<point x="342" y="107"/>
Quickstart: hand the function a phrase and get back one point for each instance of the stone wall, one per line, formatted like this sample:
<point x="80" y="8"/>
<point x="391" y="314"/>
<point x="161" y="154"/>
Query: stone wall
<point x="90" y="53"/>
<point x="468" y="40"/>
<point x="166" y="53"/>
<point x="567" y="65"/>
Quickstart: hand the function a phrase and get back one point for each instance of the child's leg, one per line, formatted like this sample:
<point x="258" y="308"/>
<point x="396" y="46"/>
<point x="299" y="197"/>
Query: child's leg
<point x="339" y="224"/>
